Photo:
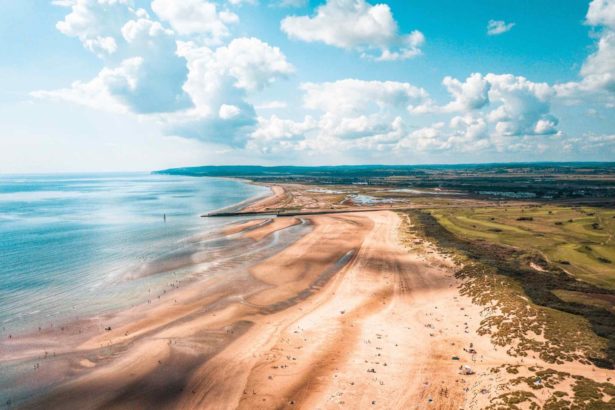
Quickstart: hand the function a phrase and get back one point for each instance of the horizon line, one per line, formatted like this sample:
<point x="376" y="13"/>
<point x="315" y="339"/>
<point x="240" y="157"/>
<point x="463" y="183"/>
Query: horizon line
<point x="444" y="164"/>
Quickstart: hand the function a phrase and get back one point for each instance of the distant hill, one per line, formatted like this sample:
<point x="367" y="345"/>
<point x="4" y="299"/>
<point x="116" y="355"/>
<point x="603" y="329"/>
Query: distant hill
<point x="547" y="180"/>
<point x="379" y="171"/>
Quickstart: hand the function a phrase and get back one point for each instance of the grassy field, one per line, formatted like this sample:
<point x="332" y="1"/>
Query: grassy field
<point x="592" y="299"/>
<point x="578" y="240"/>
<point x="526" y="296"/>
<point x="504" y="263"/>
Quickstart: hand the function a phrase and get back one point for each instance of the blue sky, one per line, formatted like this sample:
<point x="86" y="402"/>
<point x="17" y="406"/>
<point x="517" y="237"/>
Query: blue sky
<point x="121" y="85"/>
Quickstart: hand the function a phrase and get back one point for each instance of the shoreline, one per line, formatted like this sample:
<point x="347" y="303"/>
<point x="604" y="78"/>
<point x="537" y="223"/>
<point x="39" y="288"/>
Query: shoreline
<point x="77" y="346"/>
<point x="134" y="270"/>
<point x="27" y="348"/>
<point x="107" y="272"/>
<point x="325" y="311"/>
<point x="247" y="202"/>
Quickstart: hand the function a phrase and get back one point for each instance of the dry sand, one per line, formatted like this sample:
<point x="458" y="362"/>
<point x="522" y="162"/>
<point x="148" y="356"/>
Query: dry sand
<point x="345" y="316"/>
<point x="278" y="198"/>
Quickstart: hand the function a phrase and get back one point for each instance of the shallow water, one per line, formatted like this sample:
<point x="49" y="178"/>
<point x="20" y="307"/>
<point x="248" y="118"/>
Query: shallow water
<point x="76" y="245"/>
<point x="369" y="200"/>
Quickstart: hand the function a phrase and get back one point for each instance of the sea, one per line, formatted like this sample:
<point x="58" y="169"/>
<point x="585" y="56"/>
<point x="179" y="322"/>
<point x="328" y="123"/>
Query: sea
<point x="78" y="245"/>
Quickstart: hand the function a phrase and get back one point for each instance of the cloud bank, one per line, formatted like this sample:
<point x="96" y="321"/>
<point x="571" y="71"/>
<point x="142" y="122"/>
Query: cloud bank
<point x="183" y="66"/>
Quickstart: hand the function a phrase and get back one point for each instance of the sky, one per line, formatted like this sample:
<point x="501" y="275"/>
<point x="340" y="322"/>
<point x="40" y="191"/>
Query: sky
<point x="140" y="85"/>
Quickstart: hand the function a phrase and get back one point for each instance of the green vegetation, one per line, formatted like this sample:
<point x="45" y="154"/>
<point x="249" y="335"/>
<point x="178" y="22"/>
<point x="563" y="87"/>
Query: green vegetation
<point x="590" y="299"/>
<point x="524" y="327"/>
<point x="580" y="240"/>
<point x="511" y="400"/>
<point x="532" y="307"/>
<point x="517" y="286"/>
<point x="585" y="394"/>
<point x="501" y="181"/>
<point x="588" y="394"/>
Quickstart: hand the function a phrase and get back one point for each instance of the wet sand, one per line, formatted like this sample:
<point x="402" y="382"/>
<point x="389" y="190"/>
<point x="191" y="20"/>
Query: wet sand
<point x="344" y="316"/>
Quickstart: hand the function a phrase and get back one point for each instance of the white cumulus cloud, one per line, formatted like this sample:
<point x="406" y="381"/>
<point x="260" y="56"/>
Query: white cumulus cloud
<point x="180" y="67"/>
<point x="351" y="114"/>
<point x="356" y="25"/>
<point x="195" y="16"/>
<point x="226" y="111"/>
<point x="524" y="106"/>
<point x="353" y="96"/>
<point x="192" y="88"/>
<point x="496" y="27"/>
<point x="149" y="82"/>
<point x="96" y="23"/>
<point x="601" y="13"/>
<point x="219" y="81"/>
<point x="275" y="130"/>
<point x="471" y="94"/>
<point x="598" y="70"/>
<point x="513" y="105"/>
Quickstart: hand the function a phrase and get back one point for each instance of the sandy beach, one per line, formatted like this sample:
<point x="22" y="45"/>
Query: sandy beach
<point x="314" y="205"/>
<point x="343" y="316"/>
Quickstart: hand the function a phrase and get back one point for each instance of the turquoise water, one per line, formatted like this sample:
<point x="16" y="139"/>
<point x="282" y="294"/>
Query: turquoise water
<point x="73" y="245"/>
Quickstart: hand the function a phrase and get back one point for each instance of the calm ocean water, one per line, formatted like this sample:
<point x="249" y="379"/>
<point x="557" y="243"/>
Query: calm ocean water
<point x="73" y="245"/>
